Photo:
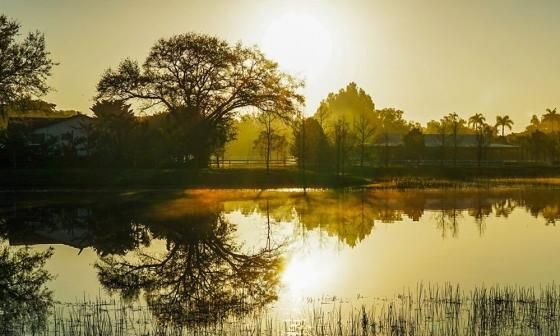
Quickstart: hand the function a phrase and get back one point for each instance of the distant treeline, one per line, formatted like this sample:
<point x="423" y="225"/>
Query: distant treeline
<point x="348" y="130"/>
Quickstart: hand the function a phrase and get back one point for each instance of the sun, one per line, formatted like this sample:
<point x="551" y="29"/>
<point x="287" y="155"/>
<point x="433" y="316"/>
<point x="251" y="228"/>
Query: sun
<point x="299" y="43"/>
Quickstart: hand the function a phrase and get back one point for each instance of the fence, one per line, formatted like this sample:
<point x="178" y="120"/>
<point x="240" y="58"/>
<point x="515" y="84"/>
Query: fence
<point x="228" y="163"/>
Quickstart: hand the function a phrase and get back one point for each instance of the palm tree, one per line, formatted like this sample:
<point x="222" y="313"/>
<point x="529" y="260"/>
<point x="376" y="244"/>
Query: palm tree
<point x="476" y="121"/>
<point x="504" y="122"/>
<point x="551" y="116"/>
<point x="535" y="122"/>
<point x="455" y="121"/>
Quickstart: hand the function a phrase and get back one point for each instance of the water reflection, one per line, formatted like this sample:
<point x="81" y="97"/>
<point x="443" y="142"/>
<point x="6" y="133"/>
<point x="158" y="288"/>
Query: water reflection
<point x="181" y="251"/>
<point x="116" y="224"/>
<point x="24" y="299"/>
<point x="201" y="276"/>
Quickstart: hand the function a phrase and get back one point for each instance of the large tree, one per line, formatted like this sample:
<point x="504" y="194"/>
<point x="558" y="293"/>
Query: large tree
<point x="311" y="146"/>
<point x="349" y="118"/>
<point x="203" y="82"/>
<point x="114" y="125"/>
<point x="349" y="104"/>
<point x="25" y="64"/>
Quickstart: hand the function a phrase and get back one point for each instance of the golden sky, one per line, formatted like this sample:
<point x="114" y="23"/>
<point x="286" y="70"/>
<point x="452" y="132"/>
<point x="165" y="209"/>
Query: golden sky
<point x="427" y="58"/>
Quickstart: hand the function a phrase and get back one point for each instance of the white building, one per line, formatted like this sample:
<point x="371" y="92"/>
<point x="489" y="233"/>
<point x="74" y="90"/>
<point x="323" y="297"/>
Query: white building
<point x="61" y="131"/>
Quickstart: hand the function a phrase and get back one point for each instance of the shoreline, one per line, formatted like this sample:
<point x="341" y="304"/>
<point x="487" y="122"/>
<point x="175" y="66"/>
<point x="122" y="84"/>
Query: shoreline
<point x="107" y="180"/>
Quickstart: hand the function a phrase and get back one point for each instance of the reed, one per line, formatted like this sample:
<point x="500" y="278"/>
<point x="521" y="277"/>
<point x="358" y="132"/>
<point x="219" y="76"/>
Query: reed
<point x="426" y="310"/>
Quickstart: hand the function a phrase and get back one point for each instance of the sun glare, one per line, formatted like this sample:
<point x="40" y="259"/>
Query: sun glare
<point x="299" y="43"/>
<point x="307" y="272"/>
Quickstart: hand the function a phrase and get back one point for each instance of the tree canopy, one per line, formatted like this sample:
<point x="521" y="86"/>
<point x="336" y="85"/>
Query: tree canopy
<point x="204" y="81"/>
<point x="25" y="64"/>
<point x="348" y="104"/>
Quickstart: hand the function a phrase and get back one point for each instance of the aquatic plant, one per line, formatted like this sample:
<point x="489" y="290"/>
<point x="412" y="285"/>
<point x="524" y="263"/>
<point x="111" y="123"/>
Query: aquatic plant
<point x="426" y="310"/>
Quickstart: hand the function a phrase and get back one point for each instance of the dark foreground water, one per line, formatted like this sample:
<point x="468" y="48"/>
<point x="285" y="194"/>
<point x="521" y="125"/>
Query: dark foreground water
<point x="197" y="257"/>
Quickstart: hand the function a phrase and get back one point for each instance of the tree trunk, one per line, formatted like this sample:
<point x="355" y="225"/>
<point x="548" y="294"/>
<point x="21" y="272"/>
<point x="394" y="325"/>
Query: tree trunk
<point x="303" y="155"/>
<point x="455" y="149"/>
<point x="268" y="156"/>
<point x="362" y="154"/>
<point x="342" y="152"/>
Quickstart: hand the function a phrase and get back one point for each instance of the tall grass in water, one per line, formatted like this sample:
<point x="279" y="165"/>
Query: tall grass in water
<point x="446" y="310"/>
<point x="426" y="310"/>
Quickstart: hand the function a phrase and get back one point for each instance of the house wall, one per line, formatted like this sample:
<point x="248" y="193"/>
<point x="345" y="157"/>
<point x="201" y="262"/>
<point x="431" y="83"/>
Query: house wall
<point x="72" y="126"/>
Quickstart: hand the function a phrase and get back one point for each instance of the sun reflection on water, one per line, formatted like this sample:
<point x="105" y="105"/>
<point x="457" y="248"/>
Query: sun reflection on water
<point x="309" y="268"/>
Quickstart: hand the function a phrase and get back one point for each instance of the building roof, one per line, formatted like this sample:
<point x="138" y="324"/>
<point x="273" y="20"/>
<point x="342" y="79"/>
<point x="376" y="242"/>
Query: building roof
<point x="37" y="123"/>
<point x="389" y="140"/>
<point x="436" y="140"/>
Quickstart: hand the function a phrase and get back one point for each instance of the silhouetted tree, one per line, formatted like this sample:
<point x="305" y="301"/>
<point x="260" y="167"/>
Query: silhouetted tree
<point x="341" y="145"/>
<point x="476" y="121"/>
<point x="414" y="144"/>
<point x="202" y="82"/>
<point x="364" y="130"/>
<point x="457" y="124"/>
<point x="25" y="64"/>
<point x="24" y="298"/>
<point x="316" y="151"/>
<point x="347" y="116"/>
<point x="551" y="118"/>
<point x="115" y="125"/>
<point x="348" y="103"/>
<point x="322" y="113"/>
<point x="442" y="128"/>
<point x="14" y="142"/>
<point x="390" y="122"/>
<point x="538" y="145"/>
<point x="535" y="122"/>
<point x="503" y="122"/>
<point x="280" y="146"/>
<point x="265" y="141"/>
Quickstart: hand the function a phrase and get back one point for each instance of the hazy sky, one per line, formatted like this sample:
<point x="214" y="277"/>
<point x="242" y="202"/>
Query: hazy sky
<point x="427" y="58"/>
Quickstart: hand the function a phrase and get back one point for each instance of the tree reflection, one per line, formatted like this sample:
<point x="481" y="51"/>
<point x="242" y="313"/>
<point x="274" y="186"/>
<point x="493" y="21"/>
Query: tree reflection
<point x="447" y="221"/>
<point x="202" y="276"/>
<point x="24" y="299"/>
<point x="351" y="216"/>
<point x="504" y="208"/>
<point x="117" y="225"/>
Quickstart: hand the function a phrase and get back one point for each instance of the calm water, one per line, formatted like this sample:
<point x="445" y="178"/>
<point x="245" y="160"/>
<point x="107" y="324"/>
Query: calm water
<point x="234" y="250"/>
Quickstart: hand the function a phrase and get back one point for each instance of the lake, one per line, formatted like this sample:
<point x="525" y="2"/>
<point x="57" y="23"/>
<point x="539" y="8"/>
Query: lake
<point x="204" y="255"/>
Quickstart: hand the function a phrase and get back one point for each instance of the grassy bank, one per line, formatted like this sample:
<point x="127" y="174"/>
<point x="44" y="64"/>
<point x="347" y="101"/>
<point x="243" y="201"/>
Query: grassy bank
<point x="455" y="173"/>
<point x="393" y="177"/>
<point x="452" y="177"/>
<point x="170" y="178"/>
